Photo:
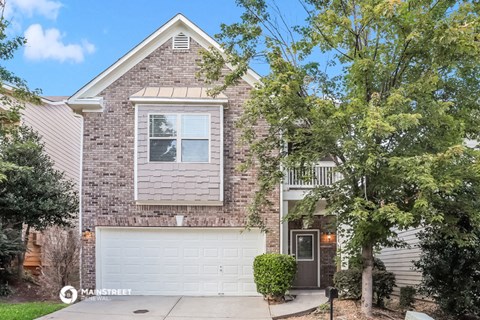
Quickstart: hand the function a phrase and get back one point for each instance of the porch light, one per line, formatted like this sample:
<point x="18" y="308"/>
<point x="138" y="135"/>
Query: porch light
<point x="87" y="234"/>
<point x="328" y="237"/>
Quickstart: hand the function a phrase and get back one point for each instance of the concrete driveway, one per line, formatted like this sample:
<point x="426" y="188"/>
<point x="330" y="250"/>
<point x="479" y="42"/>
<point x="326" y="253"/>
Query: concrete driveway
<point x="166" y="308"/>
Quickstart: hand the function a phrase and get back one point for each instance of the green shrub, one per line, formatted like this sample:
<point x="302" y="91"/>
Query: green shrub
<point x="407" y="297"/>
<point x="451" y="272"/>
<point x="274" y="274"/>
<point x="349" y="283"/>
<point x="383" y="283"/>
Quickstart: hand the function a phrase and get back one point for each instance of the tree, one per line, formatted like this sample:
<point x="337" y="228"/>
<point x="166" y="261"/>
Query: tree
<point x="405" y="96"/>
<point x="451" y="273"/>
<point x="14" y="91"/>
<point x="38" y="196"/>
<point x="450" y="265"/>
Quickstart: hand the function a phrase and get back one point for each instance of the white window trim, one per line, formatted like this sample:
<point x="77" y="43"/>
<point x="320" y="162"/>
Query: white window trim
<point x="179" y="137"/>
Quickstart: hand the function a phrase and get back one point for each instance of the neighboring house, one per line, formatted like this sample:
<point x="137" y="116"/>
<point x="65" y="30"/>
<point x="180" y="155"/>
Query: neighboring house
<point x="163" y="206"/>
<point x="400" y="260"/>
<point x="60" y="130"/>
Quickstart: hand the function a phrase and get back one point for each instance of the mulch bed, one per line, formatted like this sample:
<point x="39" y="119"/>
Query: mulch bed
<point x="351" y="310"/>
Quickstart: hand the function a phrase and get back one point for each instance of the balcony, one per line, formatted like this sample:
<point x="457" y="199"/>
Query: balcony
<point x="322" y="174"/>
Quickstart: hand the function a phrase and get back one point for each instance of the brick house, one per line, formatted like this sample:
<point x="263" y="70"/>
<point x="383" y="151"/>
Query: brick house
<point x="163" y="206"/>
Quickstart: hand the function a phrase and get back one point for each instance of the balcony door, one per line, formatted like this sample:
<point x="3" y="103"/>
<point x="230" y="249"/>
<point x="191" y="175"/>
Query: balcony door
<point x="304" y="246"/>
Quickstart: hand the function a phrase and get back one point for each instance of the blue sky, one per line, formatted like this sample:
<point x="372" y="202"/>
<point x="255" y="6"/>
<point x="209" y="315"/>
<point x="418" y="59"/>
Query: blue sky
<point x="72" y="41"/>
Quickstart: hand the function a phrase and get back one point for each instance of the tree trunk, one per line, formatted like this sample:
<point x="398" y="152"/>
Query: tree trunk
<point x="367" y="280"/>
<point x="21" y="255"/>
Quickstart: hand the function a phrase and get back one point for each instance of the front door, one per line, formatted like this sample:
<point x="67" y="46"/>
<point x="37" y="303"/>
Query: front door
<point x="304" y="246"/>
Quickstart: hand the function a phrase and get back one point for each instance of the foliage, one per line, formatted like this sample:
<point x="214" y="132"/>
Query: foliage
<point x="274" y="274"/>
<point x="402" y="95"/>
<point x="407" y="297"/>
<point x="383" y="283"/>
<point x="61" y="248"/>
<point x="355" y="262"/>
<point x="28" y="311"/>
<point x="36" y="195"/>
<point x="14" y="91"/>
<point x="5" y="290"/>
<point x="10" y="245"/>
<point x="451" y="271"/>
<point x="323" y="308"/>
<point x="40" y="196"/>
<point x="349" y="283"/>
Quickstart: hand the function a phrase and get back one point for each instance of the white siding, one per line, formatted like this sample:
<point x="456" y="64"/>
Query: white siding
<point x="61" y="132"/>
<point x="400" y="260"/>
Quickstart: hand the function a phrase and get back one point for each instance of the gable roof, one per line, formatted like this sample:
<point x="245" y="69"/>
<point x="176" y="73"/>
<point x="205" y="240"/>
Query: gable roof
<point x="86" y="99"/>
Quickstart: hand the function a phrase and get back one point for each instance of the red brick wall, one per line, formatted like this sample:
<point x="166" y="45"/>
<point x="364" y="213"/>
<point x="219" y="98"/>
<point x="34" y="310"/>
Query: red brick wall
<point x="108" y="158"/>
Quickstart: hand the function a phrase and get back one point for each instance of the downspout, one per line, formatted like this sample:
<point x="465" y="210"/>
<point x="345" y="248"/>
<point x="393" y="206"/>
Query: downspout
<point x="281" y="215"/>
<point x="80" y="197"/>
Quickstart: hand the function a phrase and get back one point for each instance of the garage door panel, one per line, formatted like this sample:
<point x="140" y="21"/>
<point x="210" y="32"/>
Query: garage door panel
<point x="210" y="252"/>
<point x="178" y="262"/>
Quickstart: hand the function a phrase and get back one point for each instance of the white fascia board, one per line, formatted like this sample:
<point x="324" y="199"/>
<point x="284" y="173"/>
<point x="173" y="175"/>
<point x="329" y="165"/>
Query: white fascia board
<point x="177" y="24"/>
<point x="86" y="104"/>
<point x="185" y="101"/>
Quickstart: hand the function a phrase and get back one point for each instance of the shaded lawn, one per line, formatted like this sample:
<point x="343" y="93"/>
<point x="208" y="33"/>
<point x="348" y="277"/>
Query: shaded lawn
<point x="29" y="310"/>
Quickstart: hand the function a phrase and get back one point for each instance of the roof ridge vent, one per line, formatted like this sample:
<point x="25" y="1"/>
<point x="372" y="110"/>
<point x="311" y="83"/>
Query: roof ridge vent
<point x="181" y="42"/>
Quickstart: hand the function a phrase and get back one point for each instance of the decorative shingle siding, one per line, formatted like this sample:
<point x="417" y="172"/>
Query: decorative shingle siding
<point x="108" y="182"/>
<point x="179" y="182"/>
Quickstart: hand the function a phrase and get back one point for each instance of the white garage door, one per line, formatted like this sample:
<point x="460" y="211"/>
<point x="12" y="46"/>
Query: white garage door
<point x="153" y="261"/>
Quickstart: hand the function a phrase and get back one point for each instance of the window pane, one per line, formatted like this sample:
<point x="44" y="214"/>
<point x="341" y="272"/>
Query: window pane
<point x="163" y="125"/>
<point x="305" y="247"/>
<point x="194" y="150"/>
<point x="163" y="150"/>
<point x="195" y="126"/>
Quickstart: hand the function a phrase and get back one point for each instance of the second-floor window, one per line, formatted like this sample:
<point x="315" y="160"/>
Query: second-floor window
<point x="179" y="138"/>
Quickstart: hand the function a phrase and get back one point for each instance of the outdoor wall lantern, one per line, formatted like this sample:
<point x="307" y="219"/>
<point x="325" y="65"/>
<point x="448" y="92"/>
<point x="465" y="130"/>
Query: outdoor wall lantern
<point x="328" y="237"/>
<point x="87" y="234"/>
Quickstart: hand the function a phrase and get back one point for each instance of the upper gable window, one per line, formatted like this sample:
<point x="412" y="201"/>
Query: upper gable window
<point x="181" y="41"/>
<point x="179" y="138"/>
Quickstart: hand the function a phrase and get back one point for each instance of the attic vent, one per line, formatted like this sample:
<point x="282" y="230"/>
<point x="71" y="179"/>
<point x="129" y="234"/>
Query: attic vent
<point x="181" y="41"/>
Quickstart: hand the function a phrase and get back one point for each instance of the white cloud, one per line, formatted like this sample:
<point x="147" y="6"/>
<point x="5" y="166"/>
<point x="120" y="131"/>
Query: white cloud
<point x="48" y="45"/>
<point x="47" y="8"/>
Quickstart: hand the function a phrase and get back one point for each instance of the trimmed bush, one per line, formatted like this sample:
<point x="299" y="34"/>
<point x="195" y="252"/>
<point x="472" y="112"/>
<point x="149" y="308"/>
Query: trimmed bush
<point x="383" y="283"/>
<point x="349" y="283"/>
<point x="407" y="297"/>
<point x="274" y="274"/>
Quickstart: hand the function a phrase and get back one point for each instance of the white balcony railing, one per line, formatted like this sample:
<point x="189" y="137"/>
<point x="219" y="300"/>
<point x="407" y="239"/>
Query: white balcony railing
<point x="318" y="175"/>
